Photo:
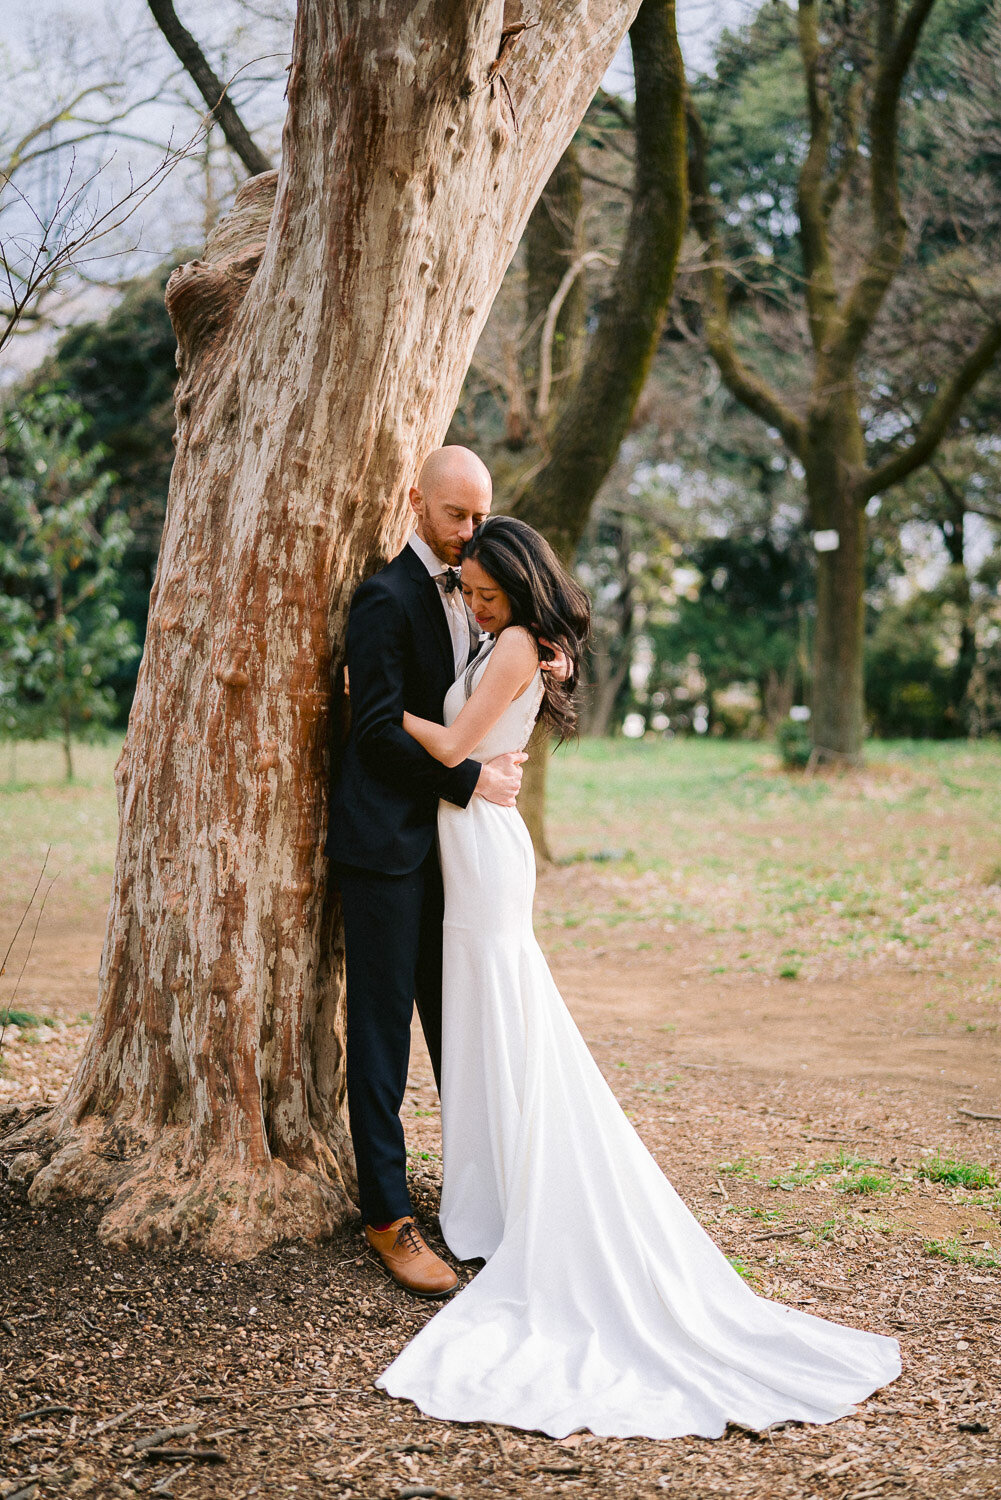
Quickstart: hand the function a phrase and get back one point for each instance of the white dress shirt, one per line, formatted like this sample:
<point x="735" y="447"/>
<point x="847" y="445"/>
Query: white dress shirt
<point x="460" y="627"/>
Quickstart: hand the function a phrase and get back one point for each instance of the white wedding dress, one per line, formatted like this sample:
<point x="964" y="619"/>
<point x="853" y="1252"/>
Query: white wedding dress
<point x="603" y="1304"/>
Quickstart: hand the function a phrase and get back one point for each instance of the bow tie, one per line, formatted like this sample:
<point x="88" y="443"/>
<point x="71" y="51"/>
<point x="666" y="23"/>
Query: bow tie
<point x="447" y="581"/>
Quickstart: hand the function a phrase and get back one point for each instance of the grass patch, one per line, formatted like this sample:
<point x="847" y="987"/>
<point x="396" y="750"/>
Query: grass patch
<point x="965" y="1174"/>
<point x="959" y="1254"/>
<point x="774" y="863"/>
<point x="855" y="1174"/>
<point x="989" y="1199"/>
<point x="24" y="1019"/>
<point x="865" y="1183"/>
<point x="825" y="1231"/>
<point x="742" y="1167"/>
<point x="748" y="1273"/>
<point x="746" y="1211"/>
<point x="798" y="1175"/>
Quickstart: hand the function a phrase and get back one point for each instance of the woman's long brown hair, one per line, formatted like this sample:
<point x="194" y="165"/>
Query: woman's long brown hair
<point x="544" y="599"/>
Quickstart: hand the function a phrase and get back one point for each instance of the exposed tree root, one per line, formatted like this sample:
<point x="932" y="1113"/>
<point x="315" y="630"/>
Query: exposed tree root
<point x="160" y="1194"/>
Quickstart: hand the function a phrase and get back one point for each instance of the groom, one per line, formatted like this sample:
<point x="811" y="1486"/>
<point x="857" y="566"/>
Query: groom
<point x="409" y="637"/>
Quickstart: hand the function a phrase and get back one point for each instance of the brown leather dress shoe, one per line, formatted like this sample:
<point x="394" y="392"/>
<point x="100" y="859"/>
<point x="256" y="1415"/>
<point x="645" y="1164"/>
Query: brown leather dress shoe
<point x="409" y="1260"/>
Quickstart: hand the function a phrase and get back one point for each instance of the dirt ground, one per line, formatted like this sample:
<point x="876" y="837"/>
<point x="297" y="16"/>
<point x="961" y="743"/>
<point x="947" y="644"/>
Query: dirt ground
<point x="813" y="1098"/>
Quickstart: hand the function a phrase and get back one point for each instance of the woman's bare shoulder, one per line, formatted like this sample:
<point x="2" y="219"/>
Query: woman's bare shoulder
<point x="517" y="645"/>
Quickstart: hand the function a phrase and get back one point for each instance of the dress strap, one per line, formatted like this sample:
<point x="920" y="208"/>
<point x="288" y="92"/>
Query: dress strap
<point x="469" y="673"/>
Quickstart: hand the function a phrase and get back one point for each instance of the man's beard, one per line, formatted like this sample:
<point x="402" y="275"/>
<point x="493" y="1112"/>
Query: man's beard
<point x="447" y="552"/>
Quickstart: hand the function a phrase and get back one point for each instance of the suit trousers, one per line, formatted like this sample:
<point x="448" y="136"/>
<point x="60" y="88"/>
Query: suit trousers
<point x="392" y="945"/>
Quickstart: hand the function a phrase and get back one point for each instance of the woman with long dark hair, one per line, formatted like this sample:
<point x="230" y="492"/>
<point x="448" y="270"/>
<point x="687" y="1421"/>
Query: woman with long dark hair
<point x="525" y="601"/>
<point x="602" y="1303"/>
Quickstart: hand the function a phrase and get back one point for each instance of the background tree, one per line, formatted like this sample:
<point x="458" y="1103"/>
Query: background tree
<point x="61" y="637"/>
<point x="214" y="91"/>
<point x="741" y="622"/>
<point x="952" y="505"/>
<point x="121" y="371"/>
<point x="812" y="298"/>
<point x="570" y="405"/>
<point x="323" y="338"/>
<point x="84" y="144"/>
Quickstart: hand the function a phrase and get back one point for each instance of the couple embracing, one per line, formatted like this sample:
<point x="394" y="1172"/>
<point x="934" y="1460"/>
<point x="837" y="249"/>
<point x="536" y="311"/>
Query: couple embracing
<point x="602" y="1304"/>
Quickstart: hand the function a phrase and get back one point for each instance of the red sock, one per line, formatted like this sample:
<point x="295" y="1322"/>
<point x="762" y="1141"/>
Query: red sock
<point x="379" y="1228"/>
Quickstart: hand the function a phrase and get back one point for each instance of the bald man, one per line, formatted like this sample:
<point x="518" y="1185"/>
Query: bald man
<point x="409" y="637"/>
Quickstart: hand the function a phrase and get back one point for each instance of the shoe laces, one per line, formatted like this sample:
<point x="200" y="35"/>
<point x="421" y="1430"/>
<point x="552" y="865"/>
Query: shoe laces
<point x="407" y="1238"/>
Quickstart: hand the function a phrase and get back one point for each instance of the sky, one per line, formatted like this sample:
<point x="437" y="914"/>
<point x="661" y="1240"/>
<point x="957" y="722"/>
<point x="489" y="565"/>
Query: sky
<point x="91" y="40"/>
<point x="699" y="21"/>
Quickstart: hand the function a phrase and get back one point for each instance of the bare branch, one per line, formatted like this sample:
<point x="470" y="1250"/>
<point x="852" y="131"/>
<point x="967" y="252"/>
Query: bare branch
<point x="746" y="384"/>
<point x="66" y="112"/>
<point x="212" y="89"/>
<point x="70" y="229"/>
<point x="895" y="51"/>
<point x="590" y="257"/>
<point x="617" y="187"/>
<point x="3" y="966"/>
<point x="934" y="425"/>
<point x="837" y="183"/>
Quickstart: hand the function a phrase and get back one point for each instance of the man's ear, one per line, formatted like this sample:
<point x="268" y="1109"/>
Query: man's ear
<point x="415" y="498"/>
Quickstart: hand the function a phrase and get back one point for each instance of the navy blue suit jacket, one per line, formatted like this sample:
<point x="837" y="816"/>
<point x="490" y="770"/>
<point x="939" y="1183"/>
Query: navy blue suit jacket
<point x="385" y="790"/>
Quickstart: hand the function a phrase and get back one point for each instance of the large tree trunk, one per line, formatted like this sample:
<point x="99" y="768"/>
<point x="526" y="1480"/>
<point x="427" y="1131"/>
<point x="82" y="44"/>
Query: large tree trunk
<point x="593" y="417"/>
<point x="323" y="340"/>
<point x="834" y="457"/>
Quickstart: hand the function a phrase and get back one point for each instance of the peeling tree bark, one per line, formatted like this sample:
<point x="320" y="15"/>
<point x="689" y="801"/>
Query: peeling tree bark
<point x="323" y="339"/>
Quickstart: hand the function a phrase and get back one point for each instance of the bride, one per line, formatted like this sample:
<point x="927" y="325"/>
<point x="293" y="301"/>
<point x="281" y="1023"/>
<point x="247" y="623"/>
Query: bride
<point x="602" y="1304"/>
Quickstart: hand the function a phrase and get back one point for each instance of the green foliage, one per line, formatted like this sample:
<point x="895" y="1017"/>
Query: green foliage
<point x="754" y="109"/>
<point x="743" y="622"/>
<point x="795" y="747"/>
<point x="121" y="372"/>
<point x="906" y="680"/>
<point x="61" y="636"/>
<point x="962" y="1255"/>
<point x="964" y="1174"/>
<point x="848" y="1174"/>
<point x="23" y="1019"/>
<point x="746" y="1272"/>
<point x="865" y="1183"/>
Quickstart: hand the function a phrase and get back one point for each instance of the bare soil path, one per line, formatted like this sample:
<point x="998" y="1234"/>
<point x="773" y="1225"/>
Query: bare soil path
<point x="793" y="989"/>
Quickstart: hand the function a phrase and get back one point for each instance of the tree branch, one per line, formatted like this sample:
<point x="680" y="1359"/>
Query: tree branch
<point x="211" y="88"/>
<point x="590" y="257"/>
<point x="838" y="181"/>
<point x="895" y="51"/>
<point x="935" y="423"/>
<point x="617" y="187"/>
<point x="750" y="388"/>
<point x="594" y="417"/>
<point x="65" y="112"/>
<point x="821" y="297"/>
<point x="67" y="231"/>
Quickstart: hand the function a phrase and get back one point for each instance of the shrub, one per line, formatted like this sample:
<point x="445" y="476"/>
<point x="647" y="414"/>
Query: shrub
<point x="794" y="744"/>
